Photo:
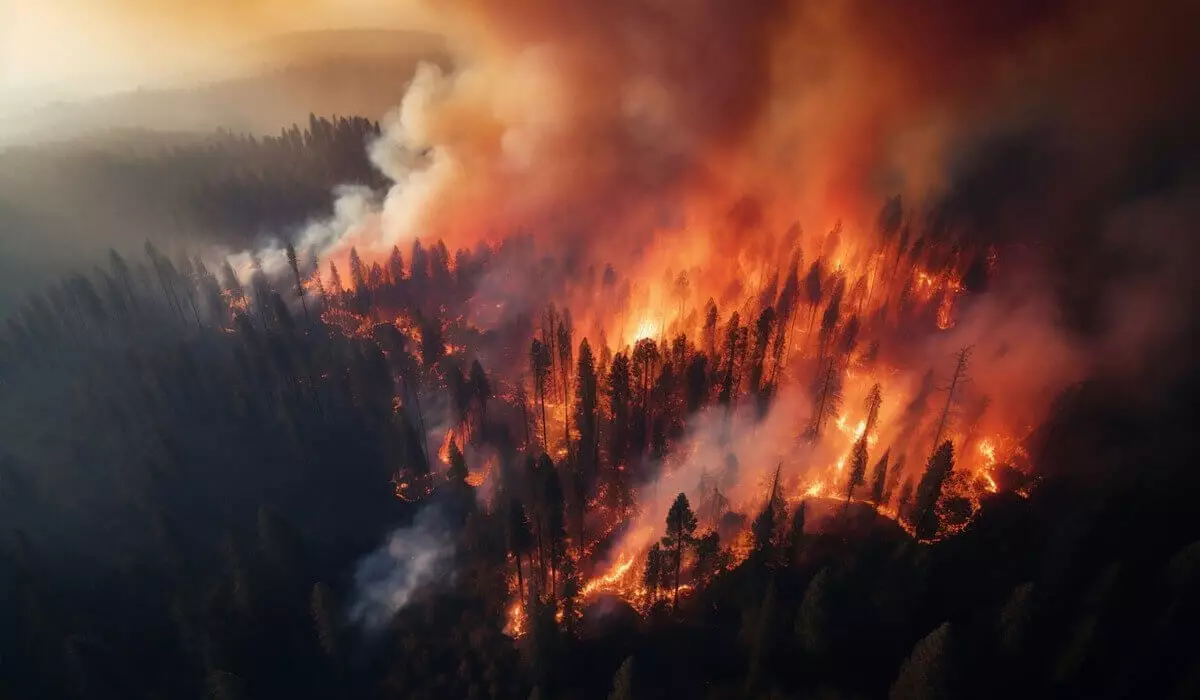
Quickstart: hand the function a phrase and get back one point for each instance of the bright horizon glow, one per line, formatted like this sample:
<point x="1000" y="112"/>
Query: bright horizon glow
<point x="71" y="49"/>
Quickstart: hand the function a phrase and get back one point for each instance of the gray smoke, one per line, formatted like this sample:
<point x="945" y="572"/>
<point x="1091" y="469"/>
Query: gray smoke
<point x="412" y="558"/>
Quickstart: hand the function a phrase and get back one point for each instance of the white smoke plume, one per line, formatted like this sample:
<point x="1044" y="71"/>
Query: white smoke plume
<point x="412" y="558"/>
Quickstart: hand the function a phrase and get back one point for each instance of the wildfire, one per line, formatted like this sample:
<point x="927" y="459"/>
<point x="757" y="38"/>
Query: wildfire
<point x="515" y="620"/>
<point x="443" y="452"/>
<point x="848" y="326"/>
<point x="613" y="581"/>
<point x="646" y="328"/>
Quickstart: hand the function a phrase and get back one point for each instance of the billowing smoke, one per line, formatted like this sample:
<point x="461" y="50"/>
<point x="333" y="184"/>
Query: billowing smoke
<point x="568" y="113"/>
<point x="637" y="132"/>
<point x="412" y="558"/>
<point x="688" y="137"/>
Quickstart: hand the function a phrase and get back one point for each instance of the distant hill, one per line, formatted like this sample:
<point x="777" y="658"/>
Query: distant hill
<point x="347" y="72"/>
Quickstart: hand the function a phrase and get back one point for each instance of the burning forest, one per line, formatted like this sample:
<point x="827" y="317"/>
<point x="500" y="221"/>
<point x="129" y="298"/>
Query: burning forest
<point x="802" y="390"/>
<point x="727" y="351"/>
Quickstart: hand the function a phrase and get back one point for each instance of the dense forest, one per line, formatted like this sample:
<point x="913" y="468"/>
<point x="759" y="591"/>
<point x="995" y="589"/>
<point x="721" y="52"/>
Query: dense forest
<point x="233" y="188"/>
<point x="219" y="483"/>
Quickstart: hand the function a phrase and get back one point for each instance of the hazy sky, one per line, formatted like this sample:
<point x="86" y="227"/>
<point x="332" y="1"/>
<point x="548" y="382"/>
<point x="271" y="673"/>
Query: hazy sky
<point x="52" y="48"/>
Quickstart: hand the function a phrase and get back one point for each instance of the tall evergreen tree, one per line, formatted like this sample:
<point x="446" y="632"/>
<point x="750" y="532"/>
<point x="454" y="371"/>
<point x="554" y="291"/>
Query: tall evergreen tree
<point x="872" y="405"/>
<point x="554" y="520"/>
<point x="879" y="479"/>
<point x="828" y="401"/>
<point x="294" y="264"/>
<point x="335" y="282"/>
<point x="587" y="404"/>
<point x="652" y="575"/>
<point x="812" y="295"/>
<point x="620" y="408"/>
<point x="956" y="381"/>
<point x="539" y="366"/>
<point x="924" y="515"/>
<point x="622" y="688"/>
<point x="768" y="519"/>
<point x="358" y="273"/>
<point x="681" y="532"/>
<point x="563" y="341"/>
<point x="858" y="467"/>
<point x="396" y="266"/>
<point x="457" y="472"/>
<point x="519" y="539"/>
<point x="928" y="672"/>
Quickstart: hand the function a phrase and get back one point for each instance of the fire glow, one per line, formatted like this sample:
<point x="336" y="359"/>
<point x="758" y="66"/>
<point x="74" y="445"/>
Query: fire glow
<point x="777" y="334"/>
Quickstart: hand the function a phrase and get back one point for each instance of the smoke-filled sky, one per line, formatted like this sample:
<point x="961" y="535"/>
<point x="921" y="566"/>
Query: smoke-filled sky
<point x="601" y="120"/>
<point x="1017" y="118"/>
<point x="69" y="47"/>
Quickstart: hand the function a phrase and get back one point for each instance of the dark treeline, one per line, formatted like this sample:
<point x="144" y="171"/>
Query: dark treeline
<point x="222" y="187"/>
<point x="192" y="463"/>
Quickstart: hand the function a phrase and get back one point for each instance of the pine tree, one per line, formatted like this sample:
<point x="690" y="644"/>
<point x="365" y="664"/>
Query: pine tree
<point x="571" y="588"/>
<point x="457" y="473"/>
<point x="539" y="365"/>
<point x="681" y="532"/>
<point x="620" y="409"/>
<point x="295" y="265"/>
<point x="956" y="381"/>
<point x="481" y="389"/>
<point x="396" y="266"/>
<point x="519" y="539"/>
<point x="795" y="537"/>
<point x="652" y="576"/>
<point x="767" y="521"/>
<point x="761" y="638"/>
<point x="696" y="383"/>
<point x="335" y="282"/>
<point x="833" y="311"/>
<point x="786" y="311"/>
<point x="708" y="551"/>
<point x="904" y="500"/>
<point x="711" y="317"/>
<point x="1015" y="621"/>
<point x="587" y="403"/>
<point x="762" y="336"/>
<point x="644" y="361"/>
<point x="813" y="624"/>
<point x="358" y="274"/>
<point x="928" y="672"/>
<point x="873" y="403"/>
<point x="858" y="467"/>
<point x="879" y="480"/>
<point x="554" y="520"/>
<point x="812" y="294"/>
<point x="622" y="688"/>
<point x="924" y="515"/>
<point x="828" y="401"/>
<point x="563" y="341"/>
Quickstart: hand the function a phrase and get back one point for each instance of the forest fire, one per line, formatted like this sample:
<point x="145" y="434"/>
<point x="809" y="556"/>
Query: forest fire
<point x="647" y="346"/>
<point x="812" y="370"/>
<point x="797" y="349"/>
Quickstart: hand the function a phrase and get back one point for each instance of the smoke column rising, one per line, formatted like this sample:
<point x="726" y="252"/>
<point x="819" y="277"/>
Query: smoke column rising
<point x="412" y="558"/>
